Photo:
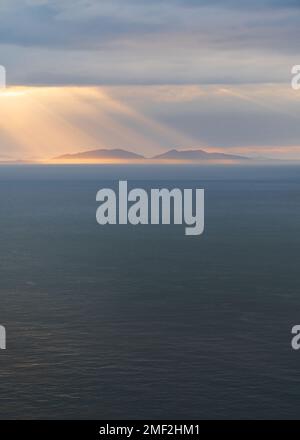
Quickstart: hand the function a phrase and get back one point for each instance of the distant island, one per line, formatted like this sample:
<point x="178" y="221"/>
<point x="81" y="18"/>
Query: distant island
<point x="198" y="156"/>
<point x="172" y="156"/>
<point x="15" y="162"/>
<point x="101" y="156"/>
<point x="120" y="156"/>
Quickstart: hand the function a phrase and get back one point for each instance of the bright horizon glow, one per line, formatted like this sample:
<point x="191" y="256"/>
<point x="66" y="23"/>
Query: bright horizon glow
<point x="40" y="123"/>
<point x="13" y="92"/>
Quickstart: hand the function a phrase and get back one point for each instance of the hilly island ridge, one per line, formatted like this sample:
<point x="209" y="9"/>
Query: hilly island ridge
<point x="171" y="156"/>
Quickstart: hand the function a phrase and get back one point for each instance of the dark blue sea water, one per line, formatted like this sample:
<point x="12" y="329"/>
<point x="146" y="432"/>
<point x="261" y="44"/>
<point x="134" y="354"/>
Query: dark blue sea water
<point x="144" y="322"/>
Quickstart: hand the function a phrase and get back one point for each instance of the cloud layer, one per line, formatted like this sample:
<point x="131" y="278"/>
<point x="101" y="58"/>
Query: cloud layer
<point x="157" y="42"/>
<point x="207" y="73"/>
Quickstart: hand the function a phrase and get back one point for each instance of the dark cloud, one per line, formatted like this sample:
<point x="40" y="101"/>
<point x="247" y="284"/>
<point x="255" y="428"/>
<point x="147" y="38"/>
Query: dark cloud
<point x="162" y="41"/>
<point x="78" y="25"/>
<point x="40" y="25"/>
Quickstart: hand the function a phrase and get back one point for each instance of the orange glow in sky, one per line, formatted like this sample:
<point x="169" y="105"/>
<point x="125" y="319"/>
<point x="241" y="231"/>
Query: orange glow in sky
<point x="45" y="122"/>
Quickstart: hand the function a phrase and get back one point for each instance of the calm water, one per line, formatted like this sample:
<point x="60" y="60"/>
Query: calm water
<point x="123" y="322"/>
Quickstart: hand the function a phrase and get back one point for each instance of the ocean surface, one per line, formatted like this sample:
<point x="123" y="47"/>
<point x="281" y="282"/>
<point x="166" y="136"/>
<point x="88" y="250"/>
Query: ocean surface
<point x="123" y="322"/>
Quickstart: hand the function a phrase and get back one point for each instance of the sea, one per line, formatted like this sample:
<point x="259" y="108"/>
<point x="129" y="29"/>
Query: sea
<point x="132" y="323"/>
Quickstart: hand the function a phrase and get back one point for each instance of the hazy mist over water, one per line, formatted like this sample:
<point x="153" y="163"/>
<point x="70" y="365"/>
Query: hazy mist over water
<point x="143" y="322"/>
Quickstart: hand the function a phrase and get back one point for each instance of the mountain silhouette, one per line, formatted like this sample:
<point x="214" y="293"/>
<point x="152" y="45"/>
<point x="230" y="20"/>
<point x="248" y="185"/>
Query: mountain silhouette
<point x="198" y="155"/>
<point x="102" y="154"/>
<point x="172" y="155"/>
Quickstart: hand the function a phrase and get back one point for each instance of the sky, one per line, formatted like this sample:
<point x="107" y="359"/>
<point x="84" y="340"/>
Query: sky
<point x="149" y="76"/>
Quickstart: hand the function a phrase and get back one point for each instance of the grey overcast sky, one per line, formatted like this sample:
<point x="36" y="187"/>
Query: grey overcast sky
<point x="148" y="42"/>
